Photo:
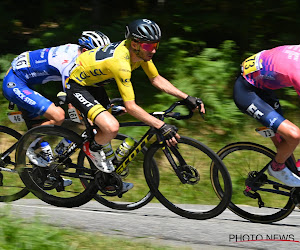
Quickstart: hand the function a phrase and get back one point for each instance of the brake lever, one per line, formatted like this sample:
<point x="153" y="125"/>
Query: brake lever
<point x="199" y="102"/>
<point x="202" y="114"/>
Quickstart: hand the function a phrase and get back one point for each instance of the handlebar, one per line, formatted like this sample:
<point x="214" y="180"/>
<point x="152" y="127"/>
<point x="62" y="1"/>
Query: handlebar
<point x="168" y="112"/>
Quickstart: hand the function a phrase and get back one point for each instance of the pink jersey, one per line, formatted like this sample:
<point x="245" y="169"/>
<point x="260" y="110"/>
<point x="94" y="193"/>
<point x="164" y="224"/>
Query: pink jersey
<point x="275" y="68"/>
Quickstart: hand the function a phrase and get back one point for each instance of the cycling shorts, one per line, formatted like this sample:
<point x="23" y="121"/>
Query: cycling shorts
<point x="261" y="104"/>
<point x="17" y="91"/>
<point x="91" y="101"/>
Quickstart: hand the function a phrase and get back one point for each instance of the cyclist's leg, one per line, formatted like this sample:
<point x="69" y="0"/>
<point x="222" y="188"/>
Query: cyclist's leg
<point x="107" y="123"/>
<point x="17" y="91"/>
<point x="55" y="115"/>
<point x="290" y="135"/>
<point x="256" y="103"/>
<point x="108" y="126"/>
<point x="92" y="104"/>
<point x="86" y="102"/>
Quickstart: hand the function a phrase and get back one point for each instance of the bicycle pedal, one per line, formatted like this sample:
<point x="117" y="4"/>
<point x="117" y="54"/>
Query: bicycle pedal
<point x="60" y="187"/>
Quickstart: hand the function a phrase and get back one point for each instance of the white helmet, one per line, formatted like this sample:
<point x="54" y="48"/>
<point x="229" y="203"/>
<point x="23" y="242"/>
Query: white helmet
<point x="93" y="39"/>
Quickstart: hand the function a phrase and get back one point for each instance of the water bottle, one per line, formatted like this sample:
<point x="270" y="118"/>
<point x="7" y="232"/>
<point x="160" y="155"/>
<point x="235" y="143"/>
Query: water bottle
<point x="123" y="150"/>
<point x="46" y="151"/>
<point x="109" y="152"/>
<point x="62" y="146"/>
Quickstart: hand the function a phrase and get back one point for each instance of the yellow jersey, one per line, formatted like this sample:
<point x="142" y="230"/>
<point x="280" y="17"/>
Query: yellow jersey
<point x="111" y="61"/>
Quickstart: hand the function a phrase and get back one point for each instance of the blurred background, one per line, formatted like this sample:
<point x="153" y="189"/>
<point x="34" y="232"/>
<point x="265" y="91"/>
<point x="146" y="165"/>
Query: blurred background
<point x="203" y="43"/>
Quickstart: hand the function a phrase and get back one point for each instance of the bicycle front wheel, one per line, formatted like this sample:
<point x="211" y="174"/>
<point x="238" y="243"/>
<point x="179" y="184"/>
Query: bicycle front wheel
<point x="195" y="198"/>
<point x="136" y="197"/>
<point x="47" y="183"/>
<point x="11" y="186"/>
<point x="244" y="160"/>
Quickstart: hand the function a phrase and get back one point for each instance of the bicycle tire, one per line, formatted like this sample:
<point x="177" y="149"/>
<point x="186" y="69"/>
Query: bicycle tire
<point x="174" y="195"/>
<point x="33" y="176"/>
<point x="140" y="195"/>
<point x="252" y="157"/>
<point x="12" y="188"/>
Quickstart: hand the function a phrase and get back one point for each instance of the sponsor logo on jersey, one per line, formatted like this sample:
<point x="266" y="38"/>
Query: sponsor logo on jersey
<point x="83" y="100"/>
<point x="11" y="85"/>
<point x="67" y="48"/>
<point x="254" y="111"/>
<point x="82" y="76"/>
<point x="125" y="82"/>
<point x="36" y="74"/>
<point x="40" y="61"/>
<point x="27" y="92"/>
<point x="125" y="70"/>
<point x="65" y="61"/>
<point x="43" y="52"/>
<point x="276" y="105"/>
<point x="273" y="121"/>
<point x="24" y="97"/>
<point x="54" y="53"/>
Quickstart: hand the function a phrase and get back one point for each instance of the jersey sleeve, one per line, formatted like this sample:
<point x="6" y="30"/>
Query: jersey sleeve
<point x="150" y="69"/>
<point x="122" y="74"/>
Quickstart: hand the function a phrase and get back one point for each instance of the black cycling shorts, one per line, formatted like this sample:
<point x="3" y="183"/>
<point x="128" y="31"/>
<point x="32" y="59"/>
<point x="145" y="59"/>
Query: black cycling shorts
<point x="90" y="101"/>
<point x="261" y="104"/>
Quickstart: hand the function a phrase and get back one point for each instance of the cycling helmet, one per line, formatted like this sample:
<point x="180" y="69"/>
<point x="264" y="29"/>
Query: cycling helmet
<point x="93" y="39"/>
<point x="143" y="30"/>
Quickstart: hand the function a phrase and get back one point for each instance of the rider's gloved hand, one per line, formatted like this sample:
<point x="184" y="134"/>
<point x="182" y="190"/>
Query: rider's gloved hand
<point x="118" y="110"/>
<point x="169" y="133"/>
<point x="193" y="102"/>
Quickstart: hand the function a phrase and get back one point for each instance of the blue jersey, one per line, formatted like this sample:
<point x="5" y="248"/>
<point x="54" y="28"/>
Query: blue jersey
<point x="44" y="65"/>
<point x="37" y="67"/>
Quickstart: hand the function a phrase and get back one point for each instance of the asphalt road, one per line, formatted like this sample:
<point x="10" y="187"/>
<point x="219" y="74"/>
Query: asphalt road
<point x="155" y="223"/>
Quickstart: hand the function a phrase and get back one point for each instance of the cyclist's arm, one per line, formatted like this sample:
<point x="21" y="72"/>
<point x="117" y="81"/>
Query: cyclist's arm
<point x="140" y="114"/>
<point x="164" y="85"/>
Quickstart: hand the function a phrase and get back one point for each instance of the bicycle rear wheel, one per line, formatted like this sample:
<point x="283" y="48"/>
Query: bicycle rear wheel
<point x="195" y="199"/>
<point x="46" y="182"/>
<point x="135" y="198"/>
<point x="11" y="186"/>
<point x="243" y="161"/>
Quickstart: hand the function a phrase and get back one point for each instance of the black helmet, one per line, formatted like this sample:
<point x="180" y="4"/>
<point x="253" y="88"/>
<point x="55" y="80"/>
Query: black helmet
<point x="143" y="30"/>
<point x="93" y="39"/>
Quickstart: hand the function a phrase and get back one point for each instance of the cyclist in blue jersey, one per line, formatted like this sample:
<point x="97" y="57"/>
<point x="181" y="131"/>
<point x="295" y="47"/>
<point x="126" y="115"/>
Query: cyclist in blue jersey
<point x="31" y="68"/>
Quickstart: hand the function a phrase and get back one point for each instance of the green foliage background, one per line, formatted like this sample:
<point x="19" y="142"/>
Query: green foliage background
<point x="203" y="45"/>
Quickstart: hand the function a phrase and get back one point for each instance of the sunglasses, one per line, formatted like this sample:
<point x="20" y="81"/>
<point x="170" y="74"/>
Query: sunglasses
<point x="149" y="46"/>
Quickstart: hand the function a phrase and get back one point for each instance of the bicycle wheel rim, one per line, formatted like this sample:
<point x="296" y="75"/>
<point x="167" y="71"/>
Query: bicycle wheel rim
<point x="197" y="201"/>
<point x="37" y="179"/>
<point x="241" y="159"/>
<point x="11" y="186"/>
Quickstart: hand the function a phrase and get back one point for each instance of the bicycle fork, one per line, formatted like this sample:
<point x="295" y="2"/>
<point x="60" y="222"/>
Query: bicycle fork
<point x="186" y="174"/>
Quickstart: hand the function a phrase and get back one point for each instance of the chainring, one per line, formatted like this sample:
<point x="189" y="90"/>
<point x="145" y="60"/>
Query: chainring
<point x="190" y="174"/>
<point x="109" y="184"/>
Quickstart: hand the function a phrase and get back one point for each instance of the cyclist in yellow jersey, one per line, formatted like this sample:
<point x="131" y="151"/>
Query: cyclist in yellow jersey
<point x="117" y="60"/>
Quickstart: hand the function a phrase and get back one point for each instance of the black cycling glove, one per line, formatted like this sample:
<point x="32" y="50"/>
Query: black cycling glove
<point x="193" y="102"/>
<point x="168" y="131"/>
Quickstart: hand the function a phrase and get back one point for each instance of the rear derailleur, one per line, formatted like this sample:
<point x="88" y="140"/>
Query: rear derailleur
<point x="249" y="182"/>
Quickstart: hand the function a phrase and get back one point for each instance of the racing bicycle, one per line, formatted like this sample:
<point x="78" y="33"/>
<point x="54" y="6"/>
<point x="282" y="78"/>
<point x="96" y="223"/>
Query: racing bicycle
<point x="257" y="196"/>
<point x="179" y="177"/>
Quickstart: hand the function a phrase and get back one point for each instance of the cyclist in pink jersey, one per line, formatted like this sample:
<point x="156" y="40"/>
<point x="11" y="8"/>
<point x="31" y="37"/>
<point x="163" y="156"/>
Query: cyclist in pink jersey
<point x="254" y="95"/>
